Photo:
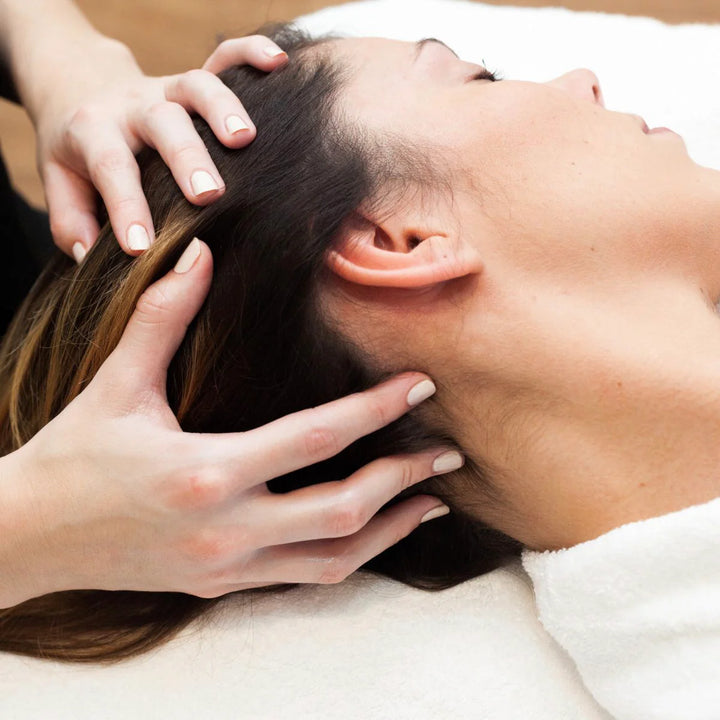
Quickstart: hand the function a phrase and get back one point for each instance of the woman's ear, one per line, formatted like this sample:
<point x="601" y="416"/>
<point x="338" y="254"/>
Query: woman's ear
<point x="401" y="254"/>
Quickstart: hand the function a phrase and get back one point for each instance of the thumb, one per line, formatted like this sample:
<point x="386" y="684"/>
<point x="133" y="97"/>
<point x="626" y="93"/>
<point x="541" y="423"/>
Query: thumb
<point x="161" y="318"/>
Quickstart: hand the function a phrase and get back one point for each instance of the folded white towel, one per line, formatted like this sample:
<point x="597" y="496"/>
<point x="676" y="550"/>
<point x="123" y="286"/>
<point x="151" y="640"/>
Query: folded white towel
<point x="638" y="609"/>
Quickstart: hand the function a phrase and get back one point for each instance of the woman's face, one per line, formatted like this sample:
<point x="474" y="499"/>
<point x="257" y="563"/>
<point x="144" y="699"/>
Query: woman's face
<point x="590" y="309"/>
<point x="559" y="183"/>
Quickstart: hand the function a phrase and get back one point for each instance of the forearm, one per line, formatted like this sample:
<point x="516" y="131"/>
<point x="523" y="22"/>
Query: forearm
<point x="46" y="43"/>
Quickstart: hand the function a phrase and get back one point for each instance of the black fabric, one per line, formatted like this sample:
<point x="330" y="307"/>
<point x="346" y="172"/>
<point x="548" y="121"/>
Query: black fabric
<point x="25" y="246"/>
<point x="25" y="239"/>
<point x="7" y="84"/>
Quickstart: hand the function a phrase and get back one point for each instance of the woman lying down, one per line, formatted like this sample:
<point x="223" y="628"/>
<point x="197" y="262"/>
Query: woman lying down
<point x="552" y="265"/>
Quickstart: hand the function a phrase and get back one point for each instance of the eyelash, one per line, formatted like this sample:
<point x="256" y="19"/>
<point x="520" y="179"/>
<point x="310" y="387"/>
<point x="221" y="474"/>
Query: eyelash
<point x="486" y="74"/>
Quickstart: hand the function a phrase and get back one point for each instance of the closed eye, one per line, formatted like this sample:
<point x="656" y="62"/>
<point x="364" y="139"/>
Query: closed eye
<point x="486" y="74"/>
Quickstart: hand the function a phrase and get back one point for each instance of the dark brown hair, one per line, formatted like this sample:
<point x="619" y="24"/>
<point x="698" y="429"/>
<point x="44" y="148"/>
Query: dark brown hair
<point x="258" y="350"/>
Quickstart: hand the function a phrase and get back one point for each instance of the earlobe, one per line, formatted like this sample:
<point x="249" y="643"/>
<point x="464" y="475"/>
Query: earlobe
<point x="378" y="257"/>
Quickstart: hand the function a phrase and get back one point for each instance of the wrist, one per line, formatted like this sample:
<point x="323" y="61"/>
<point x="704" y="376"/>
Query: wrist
<point x="48" y="88"/>
<point x="20" y="546"/>
<point x="53" y="51"/>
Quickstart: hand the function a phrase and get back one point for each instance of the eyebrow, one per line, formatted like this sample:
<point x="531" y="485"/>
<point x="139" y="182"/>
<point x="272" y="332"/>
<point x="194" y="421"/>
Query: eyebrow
<point x="420" y="44"/>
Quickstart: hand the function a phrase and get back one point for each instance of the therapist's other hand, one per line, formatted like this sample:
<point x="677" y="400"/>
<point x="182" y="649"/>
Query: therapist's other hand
<point x="91" y="125"/>
<point x="118" y="497"/>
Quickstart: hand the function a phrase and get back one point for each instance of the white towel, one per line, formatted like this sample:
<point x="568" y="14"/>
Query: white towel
<point x="638" y="609"/>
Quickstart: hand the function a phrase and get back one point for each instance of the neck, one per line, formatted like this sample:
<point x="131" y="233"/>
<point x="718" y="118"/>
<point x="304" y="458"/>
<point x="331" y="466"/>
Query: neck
<point x="620" y="425"/>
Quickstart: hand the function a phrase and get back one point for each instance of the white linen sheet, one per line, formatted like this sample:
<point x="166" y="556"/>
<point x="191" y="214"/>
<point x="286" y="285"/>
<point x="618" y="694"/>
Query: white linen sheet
<point x="369" y="647"/>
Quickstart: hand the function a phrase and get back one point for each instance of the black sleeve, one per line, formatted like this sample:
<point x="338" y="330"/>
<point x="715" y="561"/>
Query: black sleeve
<point x="7" y="84"/>
<point x="26" y="245"/>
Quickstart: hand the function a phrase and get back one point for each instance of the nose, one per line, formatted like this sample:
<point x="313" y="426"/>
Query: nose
<point x="582" y="83"/>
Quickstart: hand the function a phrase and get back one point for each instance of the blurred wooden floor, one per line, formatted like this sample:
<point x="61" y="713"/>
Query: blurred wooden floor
<point x="173" y="35"/>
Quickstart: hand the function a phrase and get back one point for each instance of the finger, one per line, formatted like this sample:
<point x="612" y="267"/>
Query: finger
<point x="331" y="561"/>
<point x="160" y="320"/>
<point x="168" y="128"/>
<point x="336" y="509"/>
<point x="207" y="95"/>
<point x="309" y="436"/>
<point x="256" y="50"/>
<point x="72" y="205"/>
<point x="114" y="172"/>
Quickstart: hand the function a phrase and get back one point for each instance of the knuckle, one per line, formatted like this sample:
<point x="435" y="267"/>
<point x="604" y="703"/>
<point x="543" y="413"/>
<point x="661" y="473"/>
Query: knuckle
<point x="153" y="305"/>
<point x="204" y="546"/>
<point x="187" y="152"/>
<point x="125" y="206"/>
<point x="226" y="47"/>
<point x="378" y="411"/>
<point x="407" y="473"/>
<point x="199" y="490"/>
<point x="345" y="518"/>
<point x="191" y="79"/>
<point x="61" y="224"/>
<point x="111" y="162"/>
<point x="321" y="442"/>
<point x="162" y="111"/>
<point x="234" y="49"/>
<point x="82" y="118"/>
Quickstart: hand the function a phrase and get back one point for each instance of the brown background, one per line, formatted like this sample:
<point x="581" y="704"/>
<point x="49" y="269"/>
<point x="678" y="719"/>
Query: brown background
<point x="173" y="35"/>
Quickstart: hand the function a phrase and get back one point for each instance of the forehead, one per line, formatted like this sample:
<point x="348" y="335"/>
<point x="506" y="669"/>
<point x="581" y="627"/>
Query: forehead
<point x="393" y="59"/>
<point x="371" y="50"/>
<point x="392" y="83"/>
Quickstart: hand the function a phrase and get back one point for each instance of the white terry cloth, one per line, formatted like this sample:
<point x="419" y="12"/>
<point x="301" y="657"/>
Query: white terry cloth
<point x="366" y="649"/>
<point x="668" y="74"/>
<point x="638" y="609"/>
<point x="370" y="648"/>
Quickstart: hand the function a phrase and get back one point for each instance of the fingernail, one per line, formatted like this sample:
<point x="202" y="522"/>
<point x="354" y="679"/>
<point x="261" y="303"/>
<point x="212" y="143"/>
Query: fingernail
<point x="448" y="461"/>
<point x="273" y="51"/>
<point x="137" y="238"/>
<point x="188" y="258"/>
<point x="234" y="124"/>
<point x="435" y="513"/>
<point x="422" y="391"/>
<point x="203" y="182"/>
<point x="79" y="252"/>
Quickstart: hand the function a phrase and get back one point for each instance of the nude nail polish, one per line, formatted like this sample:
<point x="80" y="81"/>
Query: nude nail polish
<point x="79" y="252"/>
<point x="235" y="124"/>
<point x="203" y="182"/>
<point x="435" y="513"/>
<point x="137" y="238"/>
<point x="447" y="462"/>
<point x="188" y="258"/>
<point x="422" y="391"/>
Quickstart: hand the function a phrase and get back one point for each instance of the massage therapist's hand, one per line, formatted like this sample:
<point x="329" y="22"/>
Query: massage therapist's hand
<point x="112" y="495"/>
<point x="92" y="120"/>
<point x="93" y="108"/>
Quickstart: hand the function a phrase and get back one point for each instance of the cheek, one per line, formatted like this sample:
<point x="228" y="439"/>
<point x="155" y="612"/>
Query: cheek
<point x="553" y="186"/>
